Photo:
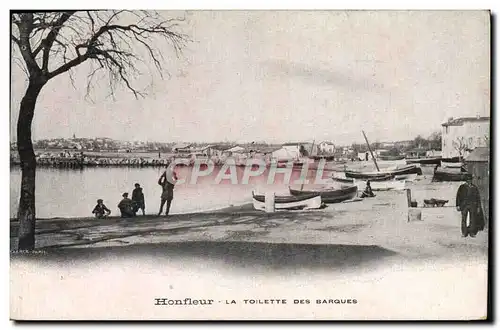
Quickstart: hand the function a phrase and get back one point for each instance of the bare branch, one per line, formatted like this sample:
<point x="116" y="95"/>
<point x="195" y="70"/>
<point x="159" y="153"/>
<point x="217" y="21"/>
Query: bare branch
<point x="25" y="25"/>
<point x="68" y="65"/>
<point x="16" y="40"/>
<point x="51" y="37"/>
<point x="64" y="40"/>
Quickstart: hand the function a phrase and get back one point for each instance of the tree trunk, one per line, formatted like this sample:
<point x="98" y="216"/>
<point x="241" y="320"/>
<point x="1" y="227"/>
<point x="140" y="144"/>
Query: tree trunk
<point x="26" y="211"/>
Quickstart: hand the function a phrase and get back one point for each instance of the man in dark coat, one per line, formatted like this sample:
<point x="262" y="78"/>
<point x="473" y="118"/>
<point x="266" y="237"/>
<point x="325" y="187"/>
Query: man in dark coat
<point x="138" y="199"/>
<point x="468" y="202"/>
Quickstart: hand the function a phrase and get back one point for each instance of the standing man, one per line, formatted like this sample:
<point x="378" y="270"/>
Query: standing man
<point x="167" y="190"/>
<point x="468" y="202"/>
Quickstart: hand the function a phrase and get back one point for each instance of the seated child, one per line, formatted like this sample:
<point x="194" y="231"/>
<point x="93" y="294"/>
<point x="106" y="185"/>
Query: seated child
<point x="126" y="207"/>
<point x="368" y="192"/>
<point x="100" y="210"/>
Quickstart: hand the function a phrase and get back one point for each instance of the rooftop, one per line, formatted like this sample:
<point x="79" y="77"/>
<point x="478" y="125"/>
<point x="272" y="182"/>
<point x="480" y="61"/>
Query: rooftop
<point x="462" y="120"/>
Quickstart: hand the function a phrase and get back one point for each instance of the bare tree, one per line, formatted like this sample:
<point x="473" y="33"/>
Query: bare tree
<point x="53" y="43"/>
<point x="460" y="145"/>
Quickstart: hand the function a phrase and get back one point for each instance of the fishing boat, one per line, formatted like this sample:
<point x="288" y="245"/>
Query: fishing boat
<point x="282" y="202"/>
<point x="382" y="175"/>
<point x="381" y="185"/>
<point x="391" y="157"/>
<point x="329" y="194"/>
<point x="451" y="165"/>
<point x="424" y="161"/>
<point x="451" y="175"/>
<point x="343" y="180"/>
<point x="456" y="159"/>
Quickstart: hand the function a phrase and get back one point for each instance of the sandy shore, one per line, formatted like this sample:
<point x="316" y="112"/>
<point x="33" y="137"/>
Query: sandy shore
<point x="381" y="221"/>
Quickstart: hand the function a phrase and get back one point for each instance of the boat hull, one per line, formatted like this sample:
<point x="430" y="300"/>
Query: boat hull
<point x="451" y="165"/>
<point x="425" y="161"/>
<point x="391" y="157"/>
<point x="329" y="196"/>
<point x="440" y="176"/>
<point x="289" y="203"/>
<point x="382" y="175"/>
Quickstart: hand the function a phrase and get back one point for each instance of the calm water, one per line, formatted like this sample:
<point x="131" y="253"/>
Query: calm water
<point x="73" y="193"/>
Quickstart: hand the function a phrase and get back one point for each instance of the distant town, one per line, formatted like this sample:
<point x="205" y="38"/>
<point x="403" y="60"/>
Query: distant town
<point x="457" y="138"/>
<point x="103" y="144"/>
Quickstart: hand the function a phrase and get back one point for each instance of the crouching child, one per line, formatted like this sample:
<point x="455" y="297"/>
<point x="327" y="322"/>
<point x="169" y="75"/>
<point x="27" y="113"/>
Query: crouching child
<point x="100" y="210"/>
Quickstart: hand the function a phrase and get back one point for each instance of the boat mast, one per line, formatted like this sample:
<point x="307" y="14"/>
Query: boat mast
<point x="310" y="154"/>
<point x="371" y="153"/>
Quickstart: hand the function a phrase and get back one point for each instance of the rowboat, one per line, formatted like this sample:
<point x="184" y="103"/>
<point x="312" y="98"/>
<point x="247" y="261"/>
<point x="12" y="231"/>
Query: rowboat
<point x="391" y="157"/>
<point x="304" y="202"/>
<point x="451" y="160"/>
<point x="451" y="175"/>
<point x="329" y="194"/>
<point x="381" y="185"/>
<point x="382" y="175"/>
<point x="425" y="161"/>
<point x="451" y="165"/>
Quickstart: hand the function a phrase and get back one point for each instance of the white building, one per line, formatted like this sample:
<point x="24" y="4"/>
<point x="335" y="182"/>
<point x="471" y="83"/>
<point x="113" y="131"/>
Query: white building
<point x="462" y="135"/>
<point x="182" y="148"/>
<point x="288" y="151"/>
<point x="235" y="150"/>
<point x="326" y="147"/>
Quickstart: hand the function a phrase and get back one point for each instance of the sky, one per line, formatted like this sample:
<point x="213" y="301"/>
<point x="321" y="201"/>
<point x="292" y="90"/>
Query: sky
<point x="279" y="76"/>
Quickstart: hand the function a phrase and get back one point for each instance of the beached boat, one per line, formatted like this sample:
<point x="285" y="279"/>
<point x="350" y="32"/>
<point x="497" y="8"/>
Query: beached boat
<point x="391" y="157"/>
<point x="424" y="161"/>
<point x="451" y="165"/>
<point x="381" y="185"/>
<point x="343" y="180"/>
<point x="329" y="194"/>
<point x="452" y="160"/>
<point x="451" y="175"/>
<point x="281" y="202"/>
<point x="382" y="175"/>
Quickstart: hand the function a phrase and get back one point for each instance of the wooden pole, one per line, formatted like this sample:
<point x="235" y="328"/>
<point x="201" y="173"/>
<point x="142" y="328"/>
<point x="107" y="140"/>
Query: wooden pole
<point x="371" y="153"/>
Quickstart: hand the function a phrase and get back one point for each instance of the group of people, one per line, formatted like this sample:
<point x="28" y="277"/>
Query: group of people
<point x="129" y="207"/>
